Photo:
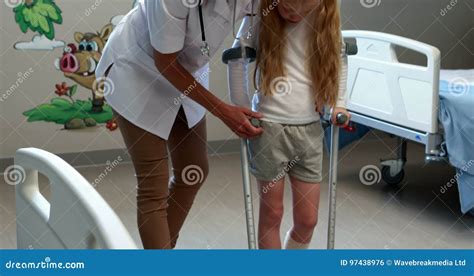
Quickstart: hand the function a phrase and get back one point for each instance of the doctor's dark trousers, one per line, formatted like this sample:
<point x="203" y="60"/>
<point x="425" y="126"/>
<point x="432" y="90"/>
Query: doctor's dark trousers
<point x="163" y="202"/>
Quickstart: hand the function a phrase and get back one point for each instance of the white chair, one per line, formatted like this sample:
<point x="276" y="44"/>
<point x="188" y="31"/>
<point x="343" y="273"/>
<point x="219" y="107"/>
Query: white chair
<point x="77" y="217"/>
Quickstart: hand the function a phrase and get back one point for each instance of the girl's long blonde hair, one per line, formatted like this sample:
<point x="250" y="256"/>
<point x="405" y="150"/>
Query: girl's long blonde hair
<point x="323" y="52"/>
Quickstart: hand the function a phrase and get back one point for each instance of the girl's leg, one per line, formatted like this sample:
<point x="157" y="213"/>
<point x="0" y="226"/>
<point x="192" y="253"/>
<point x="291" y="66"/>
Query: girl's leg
<point x="150" y="160"/>
<point x="188" y="149"/>
<point x="271" y="213"/>
<point x="305" y="213"/>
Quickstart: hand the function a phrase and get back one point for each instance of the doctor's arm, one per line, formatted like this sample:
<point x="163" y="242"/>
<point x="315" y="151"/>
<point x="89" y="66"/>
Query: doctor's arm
<point x="236" y="118"/>
<point x="167" y="23"/>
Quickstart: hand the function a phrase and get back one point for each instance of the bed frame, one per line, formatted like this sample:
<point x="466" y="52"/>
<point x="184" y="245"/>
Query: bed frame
<point x="75" y="217"/>
<point x="398" y="98"/>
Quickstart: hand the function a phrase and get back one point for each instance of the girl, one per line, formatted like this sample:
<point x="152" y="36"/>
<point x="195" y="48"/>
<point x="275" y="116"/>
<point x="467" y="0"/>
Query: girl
<point x="300" y="68"/>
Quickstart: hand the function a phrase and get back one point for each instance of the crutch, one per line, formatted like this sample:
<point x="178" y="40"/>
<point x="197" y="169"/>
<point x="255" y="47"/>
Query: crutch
<point x="350" y="50"/>
<point x="249" y="54"/>
<point x="252" y="239"/>
<point x="334" y="152"/>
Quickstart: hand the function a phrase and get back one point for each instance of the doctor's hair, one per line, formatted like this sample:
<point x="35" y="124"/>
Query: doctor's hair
<point x="323" y="51"/>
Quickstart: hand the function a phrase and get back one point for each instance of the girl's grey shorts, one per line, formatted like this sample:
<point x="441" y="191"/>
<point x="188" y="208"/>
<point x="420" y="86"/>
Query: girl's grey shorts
<point x="295" y="150"/>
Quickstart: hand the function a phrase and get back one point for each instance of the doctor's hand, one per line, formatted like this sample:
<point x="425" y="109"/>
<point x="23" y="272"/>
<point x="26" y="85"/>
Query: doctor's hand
<point x="238" y="120"/>
<point x="344" y="111"/>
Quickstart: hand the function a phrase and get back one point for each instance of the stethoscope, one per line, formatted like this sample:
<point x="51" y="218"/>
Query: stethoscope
<point x="205" y="49"/>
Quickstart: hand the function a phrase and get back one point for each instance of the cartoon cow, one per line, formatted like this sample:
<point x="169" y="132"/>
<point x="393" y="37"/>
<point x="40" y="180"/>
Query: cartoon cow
<point x="78" y="63"/>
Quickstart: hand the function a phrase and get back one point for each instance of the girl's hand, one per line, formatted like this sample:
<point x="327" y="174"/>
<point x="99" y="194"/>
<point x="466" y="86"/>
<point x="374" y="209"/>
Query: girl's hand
<point x="320" y="108"/>
<point x="344" y="111"/>
<point x="238" y="120"/>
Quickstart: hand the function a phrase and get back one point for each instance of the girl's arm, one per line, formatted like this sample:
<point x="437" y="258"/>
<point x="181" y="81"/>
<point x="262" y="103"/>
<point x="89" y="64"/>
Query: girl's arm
<point x="238" y="69"/>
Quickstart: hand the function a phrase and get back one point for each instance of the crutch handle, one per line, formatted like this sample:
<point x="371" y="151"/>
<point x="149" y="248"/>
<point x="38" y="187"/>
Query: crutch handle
<point x="256" y="122"/>
<point x="341" y="118"/>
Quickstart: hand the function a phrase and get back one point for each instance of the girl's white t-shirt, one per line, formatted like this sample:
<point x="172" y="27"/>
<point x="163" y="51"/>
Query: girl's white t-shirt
<point x="292" y="100"/>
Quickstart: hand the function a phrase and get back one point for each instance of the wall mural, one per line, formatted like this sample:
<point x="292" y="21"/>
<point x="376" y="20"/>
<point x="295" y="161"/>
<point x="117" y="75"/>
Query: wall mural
<point x="77" y="64"/>
<point x="38" y="16"/>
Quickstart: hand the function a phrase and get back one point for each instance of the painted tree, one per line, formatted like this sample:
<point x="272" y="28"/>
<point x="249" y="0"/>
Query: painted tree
<point x="39" y="16"/>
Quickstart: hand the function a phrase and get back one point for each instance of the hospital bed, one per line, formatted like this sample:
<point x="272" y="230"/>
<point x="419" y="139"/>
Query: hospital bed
<point x="398" y="98"/>
<point x="76" y="217"/>
<point x="418" y="103"/>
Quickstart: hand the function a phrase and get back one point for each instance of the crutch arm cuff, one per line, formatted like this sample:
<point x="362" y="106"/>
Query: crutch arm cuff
<point x="236" y="53"/>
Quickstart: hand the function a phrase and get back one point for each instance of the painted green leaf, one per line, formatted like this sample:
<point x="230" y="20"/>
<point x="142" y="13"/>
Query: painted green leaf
<point x="44" y="25"/>
<point x="26" y="14"/>
<point x="36" y="115"/>
<point x="36" y="8"/>
<point x="52" y="12"/>
<point x="61" y="111"/>
<point x="19" y="18"/>
<point x="73" y="90"/>
<point x="33" y="19"/>
<point x="19" y="15"/>
<point x="61" y="103"/>
<point x="39" y="17"/>
<point x="40" y="9"/>
<point x="50" y="35"/>
<point x="24" y="27"/>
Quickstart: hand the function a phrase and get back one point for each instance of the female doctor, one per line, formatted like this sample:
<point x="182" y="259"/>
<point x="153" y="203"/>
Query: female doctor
<point x="155" y="72"/>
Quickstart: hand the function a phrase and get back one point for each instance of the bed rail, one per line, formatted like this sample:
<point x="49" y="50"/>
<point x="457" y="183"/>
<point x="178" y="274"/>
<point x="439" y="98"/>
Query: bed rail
<point x="76" y="216"/>
<point x="382" y="87"/>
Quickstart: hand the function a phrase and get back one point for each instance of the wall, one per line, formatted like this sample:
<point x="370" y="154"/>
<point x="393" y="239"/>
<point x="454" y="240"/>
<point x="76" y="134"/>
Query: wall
<point x="28" y="79"/>
<point x="445" y="24"/>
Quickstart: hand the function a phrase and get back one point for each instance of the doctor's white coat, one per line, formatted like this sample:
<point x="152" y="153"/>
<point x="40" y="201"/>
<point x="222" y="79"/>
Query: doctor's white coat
<point x="136" y="89"/>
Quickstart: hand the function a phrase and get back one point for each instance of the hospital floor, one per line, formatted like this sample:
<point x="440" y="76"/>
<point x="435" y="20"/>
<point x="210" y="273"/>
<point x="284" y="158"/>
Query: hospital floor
<point x="416" y="215"/>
